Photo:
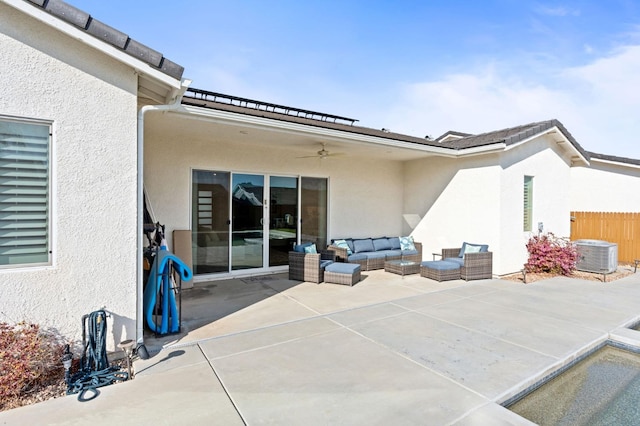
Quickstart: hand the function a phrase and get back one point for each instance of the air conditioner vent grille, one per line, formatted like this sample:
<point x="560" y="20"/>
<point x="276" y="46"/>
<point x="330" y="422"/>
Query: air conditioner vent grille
<point x="597" y="256"/>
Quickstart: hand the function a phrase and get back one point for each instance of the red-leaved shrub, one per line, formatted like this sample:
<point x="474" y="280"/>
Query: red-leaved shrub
<point x="548" y="253"/>
<point x="29" y="359"/>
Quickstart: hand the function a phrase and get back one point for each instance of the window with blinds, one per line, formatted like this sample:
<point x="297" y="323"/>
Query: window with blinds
<point x="24" y="192"/>
<point x="528" y="203"/>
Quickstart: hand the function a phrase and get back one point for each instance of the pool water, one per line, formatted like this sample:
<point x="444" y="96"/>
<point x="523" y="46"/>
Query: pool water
<point x="602" y="389"/>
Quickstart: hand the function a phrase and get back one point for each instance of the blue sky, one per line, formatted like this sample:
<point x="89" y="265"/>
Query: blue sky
<point x="415" y="67"/>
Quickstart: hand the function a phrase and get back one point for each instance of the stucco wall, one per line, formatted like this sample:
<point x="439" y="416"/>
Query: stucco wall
<point x="365" y="196"/>
<point x="457" y="200"/>
<point x="549" y="167"/>
<point x="605" y="187"/>
<point x="480" y="199"/>
<point x="91" y="101"/>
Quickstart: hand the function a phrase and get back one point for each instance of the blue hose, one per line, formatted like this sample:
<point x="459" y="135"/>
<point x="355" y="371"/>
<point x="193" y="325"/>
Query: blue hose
<point x="159" y="282"/>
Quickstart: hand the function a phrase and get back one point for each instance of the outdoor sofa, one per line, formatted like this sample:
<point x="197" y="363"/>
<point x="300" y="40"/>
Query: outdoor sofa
<point x="371" y="253"/>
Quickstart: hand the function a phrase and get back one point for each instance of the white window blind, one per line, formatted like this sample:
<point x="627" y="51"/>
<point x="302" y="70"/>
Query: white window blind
<point x="24" y="193"/>
<point x="528" y="203"/>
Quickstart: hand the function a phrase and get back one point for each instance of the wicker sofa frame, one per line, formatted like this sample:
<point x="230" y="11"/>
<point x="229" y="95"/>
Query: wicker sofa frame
<point x="376" y="263"/>
<point x="476" y="266"/>
<point x="306" y="266"/>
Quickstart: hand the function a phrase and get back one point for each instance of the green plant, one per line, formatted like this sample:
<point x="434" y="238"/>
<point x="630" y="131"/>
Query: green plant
<point x="29" y="360"/>
<point x="548" y="253"/>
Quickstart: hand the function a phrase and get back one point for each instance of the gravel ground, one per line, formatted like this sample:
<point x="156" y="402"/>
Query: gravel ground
<point x="622" y="271"/>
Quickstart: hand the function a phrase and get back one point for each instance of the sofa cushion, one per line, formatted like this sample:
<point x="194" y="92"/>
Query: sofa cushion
<point x="392" y="253"/>
<point x="406" y="243"/>
<point x="395" y="243"/>
<point x="363" y="245"/>
<point x="300" y="248"/>
<point x="374" y="255"/>
<point x="473" y="248"/>
<point x="356" y="257"/>
<point x="381" y="244"/>
<point x="343" y="244"/>
<point x="409" y="252"/>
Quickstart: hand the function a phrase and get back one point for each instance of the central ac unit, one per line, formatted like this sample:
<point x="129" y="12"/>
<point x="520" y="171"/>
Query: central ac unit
<point x="597" y="256"/>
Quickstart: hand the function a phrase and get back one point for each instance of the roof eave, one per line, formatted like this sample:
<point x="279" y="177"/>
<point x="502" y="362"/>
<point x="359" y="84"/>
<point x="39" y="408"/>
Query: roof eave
<point x="577" y="157"/>
<point x="139" y="66"/>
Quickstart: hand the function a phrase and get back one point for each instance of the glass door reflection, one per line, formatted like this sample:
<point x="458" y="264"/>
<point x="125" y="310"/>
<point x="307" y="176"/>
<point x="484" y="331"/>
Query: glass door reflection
<point x="283" y="215"/>
<point x="247" y="221"/>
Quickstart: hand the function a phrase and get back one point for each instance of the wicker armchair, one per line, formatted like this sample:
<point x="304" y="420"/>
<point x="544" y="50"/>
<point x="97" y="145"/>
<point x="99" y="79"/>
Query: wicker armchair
<point x="309" y="267"/>
<point x="474" y="266"/>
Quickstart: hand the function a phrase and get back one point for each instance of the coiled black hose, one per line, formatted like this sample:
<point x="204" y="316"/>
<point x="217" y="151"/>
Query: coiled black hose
<point x="94" y="371"/>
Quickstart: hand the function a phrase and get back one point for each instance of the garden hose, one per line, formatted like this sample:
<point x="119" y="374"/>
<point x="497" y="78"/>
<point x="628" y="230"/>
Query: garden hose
<point x="94" y="371"/>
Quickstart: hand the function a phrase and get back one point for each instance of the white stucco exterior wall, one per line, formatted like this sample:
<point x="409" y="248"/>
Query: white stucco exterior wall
<point x="91" y="101"/>
<point x="365" y="195"/>
<point x="480" y="200"/>
<point x="457" y="199"/>
<point x="549" y="167"/>
<point x="605" y="187"/>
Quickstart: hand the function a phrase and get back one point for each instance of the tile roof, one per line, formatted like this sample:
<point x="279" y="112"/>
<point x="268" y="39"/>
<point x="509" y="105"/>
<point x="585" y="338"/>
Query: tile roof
<point x="514" y="135"/>
<point x="505" y="136"/>
<point x="613" y="158"/>
<point x="104" y="32"/>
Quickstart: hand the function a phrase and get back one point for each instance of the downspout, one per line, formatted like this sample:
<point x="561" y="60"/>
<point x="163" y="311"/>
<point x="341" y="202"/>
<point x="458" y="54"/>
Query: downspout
<point x="174" y="105"/>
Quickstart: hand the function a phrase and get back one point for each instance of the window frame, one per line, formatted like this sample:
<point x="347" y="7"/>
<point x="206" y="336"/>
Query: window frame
<point x="527" y="204"/>
<point x="48" y="199"/>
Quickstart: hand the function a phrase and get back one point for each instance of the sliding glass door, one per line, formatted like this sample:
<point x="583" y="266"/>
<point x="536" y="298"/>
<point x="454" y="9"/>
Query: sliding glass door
<point x="283" y="218"/>
<point x="246" y="221"/>
<point x="210" y="221"/>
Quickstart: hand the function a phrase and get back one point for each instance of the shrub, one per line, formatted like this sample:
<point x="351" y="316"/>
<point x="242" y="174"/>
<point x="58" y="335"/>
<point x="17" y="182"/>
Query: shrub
<point x="30" y="358"/>
<point x="548" y="253"/>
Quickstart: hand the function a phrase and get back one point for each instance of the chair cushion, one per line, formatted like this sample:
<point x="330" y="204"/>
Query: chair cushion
<point x="380" y="244"/>
<point x="343" y="268"/>
<point x="441" y="265"/>
<point x="363" y="245"/>
<point x="458" y="260"/>
<point x="473" y="248"/>
<point x="406" y="243"/>
<point x="300" y="247"/>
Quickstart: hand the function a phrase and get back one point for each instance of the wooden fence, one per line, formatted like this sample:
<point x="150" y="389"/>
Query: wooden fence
<point x="620" y="228"/>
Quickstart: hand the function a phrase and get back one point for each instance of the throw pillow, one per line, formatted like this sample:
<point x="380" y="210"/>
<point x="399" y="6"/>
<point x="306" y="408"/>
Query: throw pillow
<point x="343" y="244"/>
<point x="477" y="248"/>
<point x="406" y="243"/>
<point x="311" y="249"/>
<point x="300" y="248"/>
<point x="472" y="249"/>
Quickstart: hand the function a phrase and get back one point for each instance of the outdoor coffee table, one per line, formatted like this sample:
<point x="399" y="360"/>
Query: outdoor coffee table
<point x="401" y="267"/>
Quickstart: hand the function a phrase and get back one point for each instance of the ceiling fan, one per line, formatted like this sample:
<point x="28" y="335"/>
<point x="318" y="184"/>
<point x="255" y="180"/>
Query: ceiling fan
<point x="323" y="153"/>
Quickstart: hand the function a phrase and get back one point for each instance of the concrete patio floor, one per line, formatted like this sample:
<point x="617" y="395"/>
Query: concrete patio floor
<point x="390" y="350"/>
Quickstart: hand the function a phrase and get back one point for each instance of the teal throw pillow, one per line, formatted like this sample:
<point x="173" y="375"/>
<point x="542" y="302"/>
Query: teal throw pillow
<point x="311" y="249"/>
<point x="343" y="244"/>
<point x="406" y="243"/>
